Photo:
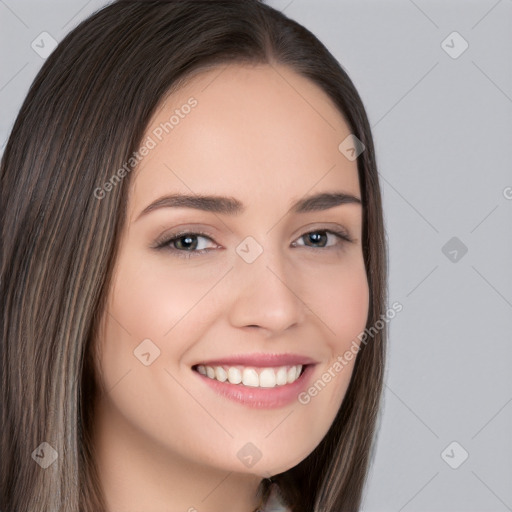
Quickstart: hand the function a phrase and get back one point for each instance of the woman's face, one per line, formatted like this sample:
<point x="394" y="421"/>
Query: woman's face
<point x="264" y="280"/>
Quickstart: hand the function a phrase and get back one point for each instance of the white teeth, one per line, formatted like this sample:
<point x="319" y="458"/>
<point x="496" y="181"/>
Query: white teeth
<point x="234" y="376"/>
<point x="265" y="378"/>
<point x="281" y="376"/>
<point x="220" y="374"/>
<point x="250" y="378"/>
<point x="292" y="374"/>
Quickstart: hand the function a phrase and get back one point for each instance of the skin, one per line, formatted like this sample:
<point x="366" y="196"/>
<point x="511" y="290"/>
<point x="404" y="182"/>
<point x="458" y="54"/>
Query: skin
<point x="165" y="441"/>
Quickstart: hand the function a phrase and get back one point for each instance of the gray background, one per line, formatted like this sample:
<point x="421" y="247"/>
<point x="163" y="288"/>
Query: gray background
<point x="442" y="128"/>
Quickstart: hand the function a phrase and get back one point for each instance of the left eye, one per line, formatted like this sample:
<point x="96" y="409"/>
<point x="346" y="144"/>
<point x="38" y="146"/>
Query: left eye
<point x="321" y="236"/>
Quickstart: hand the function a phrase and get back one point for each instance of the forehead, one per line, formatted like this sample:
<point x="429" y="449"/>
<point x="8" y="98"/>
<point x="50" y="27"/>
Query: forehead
<point x="258" y="133"/>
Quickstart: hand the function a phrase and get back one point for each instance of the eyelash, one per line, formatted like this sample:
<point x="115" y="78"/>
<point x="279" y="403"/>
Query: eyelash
<point x="164" y="244"/>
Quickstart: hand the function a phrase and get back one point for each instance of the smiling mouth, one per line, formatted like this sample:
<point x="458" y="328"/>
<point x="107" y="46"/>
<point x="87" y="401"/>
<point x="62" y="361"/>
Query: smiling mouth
<point x="252" y="376"/>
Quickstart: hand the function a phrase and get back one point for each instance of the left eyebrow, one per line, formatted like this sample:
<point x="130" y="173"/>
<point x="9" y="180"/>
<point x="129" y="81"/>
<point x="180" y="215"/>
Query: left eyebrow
<point x="232" y="206"/>
<point x="323" y="201"/>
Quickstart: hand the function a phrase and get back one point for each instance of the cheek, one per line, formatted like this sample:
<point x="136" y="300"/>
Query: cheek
<point x="151" y="296"/>
<point x="155" y="301"/>
<point x="146" y="304"/>
<point x="342" y="302"/>
<point x="343" y="310"/>
<point x="140" y="307"/>
<point x="349" y="309"/>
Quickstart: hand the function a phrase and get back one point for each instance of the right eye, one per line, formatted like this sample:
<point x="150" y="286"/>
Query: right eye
<point x="185" y="244"/>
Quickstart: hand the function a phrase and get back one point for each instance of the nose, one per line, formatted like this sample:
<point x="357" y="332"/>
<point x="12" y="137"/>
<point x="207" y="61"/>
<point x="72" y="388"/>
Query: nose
<point x="265" y="294"/>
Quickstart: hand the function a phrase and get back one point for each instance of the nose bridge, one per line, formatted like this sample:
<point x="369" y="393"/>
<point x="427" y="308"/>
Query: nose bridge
<point x="263" y="291"/>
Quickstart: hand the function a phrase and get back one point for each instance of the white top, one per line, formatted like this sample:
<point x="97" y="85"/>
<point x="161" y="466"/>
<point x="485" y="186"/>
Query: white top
<point x="274" y="502"/>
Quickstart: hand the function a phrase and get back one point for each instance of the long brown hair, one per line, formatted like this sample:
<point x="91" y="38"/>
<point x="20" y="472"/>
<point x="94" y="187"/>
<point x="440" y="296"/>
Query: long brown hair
<point x="84" y="115"/>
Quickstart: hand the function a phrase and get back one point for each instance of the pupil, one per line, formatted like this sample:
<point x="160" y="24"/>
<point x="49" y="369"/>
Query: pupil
<point x="315" y="237"/>
<point x="188" y="240"/>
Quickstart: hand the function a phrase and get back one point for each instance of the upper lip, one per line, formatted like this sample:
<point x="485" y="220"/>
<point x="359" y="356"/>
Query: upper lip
<point x="261" y="360"/>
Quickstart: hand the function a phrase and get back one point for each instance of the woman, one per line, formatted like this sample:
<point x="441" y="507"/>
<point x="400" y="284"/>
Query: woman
<point x="193" y="247"/>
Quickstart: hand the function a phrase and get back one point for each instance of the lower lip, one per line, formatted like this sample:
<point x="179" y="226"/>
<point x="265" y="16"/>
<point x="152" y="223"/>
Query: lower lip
<point x="261" y="398"/>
